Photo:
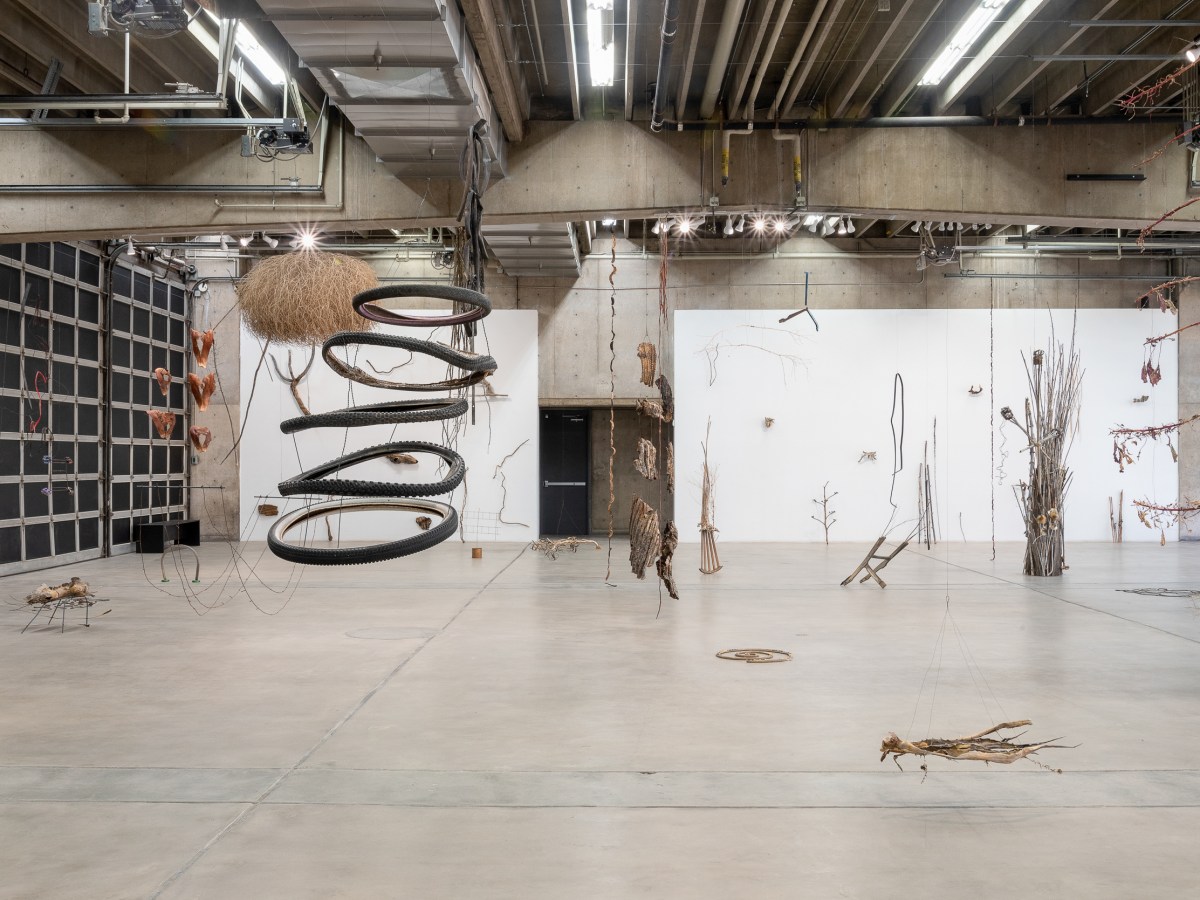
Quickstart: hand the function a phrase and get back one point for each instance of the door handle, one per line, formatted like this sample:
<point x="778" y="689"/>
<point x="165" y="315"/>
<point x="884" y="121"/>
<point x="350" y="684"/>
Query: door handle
<point x="564" y="484"/>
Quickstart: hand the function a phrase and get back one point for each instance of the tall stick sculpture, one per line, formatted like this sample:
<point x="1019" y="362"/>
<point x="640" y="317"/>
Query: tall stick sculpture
<point x="709" y="563"/>
<point x="1051" y="416"/>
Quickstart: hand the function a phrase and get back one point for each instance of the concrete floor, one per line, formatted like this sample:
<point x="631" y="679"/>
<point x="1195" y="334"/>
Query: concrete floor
<point x="511" y="727"/>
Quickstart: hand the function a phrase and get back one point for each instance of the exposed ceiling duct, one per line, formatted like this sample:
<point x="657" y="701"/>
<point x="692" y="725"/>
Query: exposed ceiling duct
<point x="405" y="75"/>
<point x="535" y="251"/>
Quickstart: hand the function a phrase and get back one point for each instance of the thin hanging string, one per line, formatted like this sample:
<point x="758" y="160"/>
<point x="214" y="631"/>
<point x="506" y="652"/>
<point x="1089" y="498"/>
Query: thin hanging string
<point x="992" y="406"/>
<point x="612" y="398"/>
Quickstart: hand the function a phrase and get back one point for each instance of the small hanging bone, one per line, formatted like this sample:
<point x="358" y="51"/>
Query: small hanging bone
<point x="202" y="390"/>
<point x="163" y="377"/>
<point x="164" y="422"/>
<point x="648" y="354"/>
<point x="647" y="459"/>
<point x="201" y="437"/>
<point x="202" y="345"/>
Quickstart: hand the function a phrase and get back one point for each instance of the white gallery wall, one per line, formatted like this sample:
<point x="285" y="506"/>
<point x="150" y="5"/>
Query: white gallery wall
<point x="830" y="392"/>
<point x="501" y="424"/>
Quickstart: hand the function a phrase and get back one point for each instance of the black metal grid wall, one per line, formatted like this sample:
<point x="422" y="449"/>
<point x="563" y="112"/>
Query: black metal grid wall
<point x="148" y="331"/>
<point x="65" y="494"/>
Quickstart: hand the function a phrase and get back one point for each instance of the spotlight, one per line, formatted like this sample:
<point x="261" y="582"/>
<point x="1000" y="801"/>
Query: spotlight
<point x="1192" y="53"/>
<point x="829" y="226"/>
<point x="740" y="225"/>
<point x="841" y="227"/>
<point x="246" y="239"/>
<point x="916" y="227"/>
<point x="685" y="226"/>
<point x="779" y="225"/>
<point x="811" y="222"/>
<point x="271" y="242"/>
<point x="759" y="224"/>
<point x="657" y="227"/>
<point x="307" y="240"/>
<point x="849" y="225"/>
<point x="130" y="250"/>
<point x="224" y="242"/>
<point x="728" y="229"/>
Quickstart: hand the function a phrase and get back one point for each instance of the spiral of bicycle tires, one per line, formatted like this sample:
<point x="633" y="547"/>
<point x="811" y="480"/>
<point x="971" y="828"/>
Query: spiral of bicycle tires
<point x="380" y="495"/>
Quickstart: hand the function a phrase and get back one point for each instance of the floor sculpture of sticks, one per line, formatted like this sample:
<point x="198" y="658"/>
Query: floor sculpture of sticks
<point x="978" y="746"/>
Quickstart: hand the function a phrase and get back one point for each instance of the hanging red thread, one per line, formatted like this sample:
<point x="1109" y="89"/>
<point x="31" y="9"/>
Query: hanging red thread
<point x="34" y="423"/>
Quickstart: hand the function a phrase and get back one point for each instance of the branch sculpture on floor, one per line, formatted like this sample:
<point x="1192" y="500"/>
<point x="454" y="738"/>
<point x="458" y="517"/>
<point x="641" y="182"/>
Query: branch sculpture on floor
<point x="828" y="516"/>
<point x="709" y="563"/>
<point x="1051" y="417"/>
<point x="979" y="746"/>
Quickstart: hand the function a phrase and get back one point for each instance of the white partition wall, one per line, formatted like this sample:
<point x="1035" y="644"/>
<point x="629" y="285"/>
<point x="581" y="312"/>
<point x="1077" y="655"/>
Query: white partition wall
<point x="501" y="424"/>
<point x="830" y="393"/>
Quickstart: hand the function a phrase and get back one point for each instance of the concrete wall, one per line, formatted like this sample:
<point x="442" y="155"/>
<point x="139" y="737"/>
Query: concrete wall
<point x="627" y="481"/>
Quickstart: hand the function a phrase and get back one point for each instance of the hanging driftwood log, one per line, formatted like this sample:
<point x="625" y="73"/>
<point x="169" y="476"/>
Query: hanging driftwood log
<point x="164" y="422"/>
<point x="163" y="377"/>
<point x="202" y="390"/>
<point x="977" y="746"/>
<point x="202" y="344"/>
<point x="647" y="459"/>
<point x="668" y="398"/>
<point x="648" y="354"/>
<point x="644" y="537"/>
<point x="670" y="467"/>
<point x="651" y="409"/>
<point x="201" y="437"/>
<point x="670" y="540"/>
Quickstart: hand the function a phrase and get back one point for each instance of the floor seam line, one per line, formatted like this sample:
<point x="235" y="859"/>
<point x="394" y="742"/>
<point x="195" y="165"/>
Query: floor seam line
<point x="366" y="698"/>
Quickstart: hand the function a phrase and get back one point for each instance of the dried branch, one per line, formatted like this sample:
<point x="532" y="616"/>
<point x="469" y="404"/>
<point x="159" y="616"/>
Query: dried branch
<point x="712" y="350"/>
<point x="552" y="546"/>
<point x="1149" y="93"/>
<point x="827" y="519"/>
<point x="977" y="747"/>
<point x="1145" y="232"/>
<point x="503" y="484"/>
<point x="294" y="379"/>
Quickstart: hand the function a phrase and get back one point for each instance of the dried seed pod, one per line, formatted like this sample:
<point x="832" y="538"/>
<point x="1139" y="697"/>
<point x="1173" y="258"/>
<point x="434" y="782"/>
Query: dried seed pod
<point x="202" y="345"/>
<point x="163" y="377"/>
<point x="202" y="390"/>
<point x="201" y="437"/>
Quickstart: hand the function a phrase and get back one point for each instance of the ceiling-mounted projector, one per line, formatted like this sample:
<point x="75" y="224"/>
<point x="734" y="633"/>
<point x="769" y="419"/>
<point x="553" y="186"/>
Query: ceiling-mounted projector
<point x="152" y="18"/>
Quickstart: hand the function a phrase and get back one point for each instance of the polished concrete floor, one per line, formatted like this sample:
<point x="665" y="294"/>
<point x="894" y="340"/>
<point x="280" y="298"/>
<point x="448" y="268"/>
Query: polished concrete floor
<point x="513" y="727"/>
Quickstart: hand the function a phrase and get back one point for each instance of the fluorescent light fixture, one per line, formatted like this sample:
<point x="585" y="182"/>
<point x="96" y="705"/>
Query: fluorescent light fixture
<point x="608" y="223"/>
<point x="601" y="45"/>
<point x="963" y="40"/>
<point x="1193" y="50"/>
<point x="253" y="51"/>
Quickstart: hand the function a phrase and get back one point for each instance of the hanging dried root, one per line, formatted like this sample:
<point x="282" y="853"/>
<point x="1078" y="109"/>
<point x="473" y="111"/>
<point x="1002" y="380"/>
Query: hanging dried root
<point x="552" y="546"/>
<point x="202" y="345"/>
<point x="498" y="472"/>
<point x="651" y="409"/>
<point x="647" y="460"/>
<point x="648" y="354"/>
<point x="670" y="540"/>
<point x="670" y="467"/>
<point x="977" y="747"/>
<point x="645" y="540"/>
<point x="76" y="587"/>
<point x="164" y="422"/>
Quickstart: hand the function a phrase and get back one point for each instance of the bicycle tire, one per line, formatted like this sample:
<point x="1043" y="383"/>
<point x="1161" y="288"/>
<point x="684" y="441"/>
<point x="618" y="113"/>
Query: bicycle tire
<point x="364" y="305"/>
<point x="478" y="365"/>
<point x="349" y="556"/>
<point x="397" y="413"/>
<point x="313" y="481"/>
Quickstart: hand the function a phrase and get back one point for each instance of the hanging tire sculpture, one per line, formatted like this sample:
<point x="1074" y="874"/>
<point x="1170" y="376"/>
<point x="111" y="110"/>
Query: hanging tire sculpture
<point x="379" y="495"/>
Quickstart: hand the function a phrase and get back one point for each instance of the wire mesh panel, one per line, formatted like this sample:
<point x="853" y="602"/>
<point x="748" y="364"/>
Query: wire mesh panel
<point x="148" y="331"/>
<point x="51" y="405"/>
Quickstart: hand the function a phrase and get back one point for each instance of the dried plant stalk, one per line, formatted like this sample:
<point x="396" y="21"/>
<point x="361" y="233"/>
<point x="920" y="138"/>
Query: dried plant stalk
<point x="304" y="297"/>
<point x="979" y="746"/>
<point x="647" y="459"/>
<point x="1051" y="417"/>
<point x="828" y="516"/>
<point x="648" y="354"/>
<point x="293" y="378"/>
<point x="645" y="540"/>
<point x="709" y="563"/>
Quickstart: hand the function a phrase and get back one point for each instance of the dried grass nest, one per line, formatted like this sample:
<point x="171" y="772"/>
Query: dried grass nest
<point x="304" y="297"/>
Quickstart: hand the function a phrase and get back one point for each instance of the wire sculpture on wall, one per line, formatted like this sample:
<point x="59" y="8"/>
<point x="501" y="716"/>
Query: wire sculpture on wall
<point x="386" y="495"/>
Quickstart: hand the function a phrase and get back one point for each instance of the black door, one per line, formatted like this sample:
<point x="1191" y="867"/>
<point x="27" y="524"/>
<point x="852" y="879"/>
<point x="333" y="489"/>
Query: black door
<point x="565" y="469"/>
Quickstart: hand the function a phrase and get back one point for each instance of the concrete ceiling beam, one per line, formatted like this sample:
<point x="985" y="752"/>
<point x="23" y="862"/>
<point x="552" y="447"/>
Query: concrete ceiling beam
<point x="880" y="35"/>
<point x="509" y="92"/>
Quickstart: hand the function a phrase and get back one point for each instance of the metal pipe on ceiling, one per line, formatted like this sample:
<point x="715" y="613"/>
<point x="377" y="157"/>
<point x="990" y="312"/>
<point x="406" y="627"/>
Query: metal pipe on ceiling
<point x="114" y="101"/>
<point x="743" y="79"/>
<point x="780" y="21"/>
<point x="720" y="57"/>
<point x="796" y="57"/>
<point x="685" y="81"/>
<point x="798" y="82"/>
<point x="666" y="41"/>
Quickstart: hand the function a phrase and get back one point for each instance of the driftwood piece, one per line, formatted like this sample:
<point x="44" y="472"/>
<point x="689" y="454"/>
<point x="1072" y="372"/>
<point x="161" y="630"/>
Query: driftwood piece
<point x="647" y="459"/>
<point x="75" y="588"/>
<point x="668" y="398"/>
<point x="164" y="422"/>
<point x="202" y="390"/>
<point x="405" y="459"/>
<point x="651" y="409"/>
<point x="552" y="546"/>
<point x="201" y="437"/>
<point x="979" y="746"/>
<point x="268" y="509"/>
<point x="423" y="522"/>
<point x="163" y="377"/>
<point x="873" y="571"/>
<point x="645" y="539"/>
<point x="648" y="354"/>
<point x="670" y="467"/>
<point x="670" y="540"/>
<point x="202" y="344"/>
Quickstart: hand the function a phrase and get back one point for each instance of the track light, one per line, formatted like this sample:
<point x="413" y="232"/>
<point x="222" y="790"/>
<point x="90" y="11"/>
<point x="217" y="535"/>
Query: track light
<point x="841" y="227"/>
<point x="224" y="242"/>
<point x="685" y="226"/>
<point x="740" y="225"/>
<point x="1192" y="53"/>
<point x="657" y="228"/>
<point x="245" y="240"/>
<point x="759" y="224"/>
<point x="916" y="227"/>
<point x="271" y="242"/>
<point x="306" y="240"/>
<point x="849" y="225"/>
<point x="780" y="225"/>
<point x="728" y="229"/>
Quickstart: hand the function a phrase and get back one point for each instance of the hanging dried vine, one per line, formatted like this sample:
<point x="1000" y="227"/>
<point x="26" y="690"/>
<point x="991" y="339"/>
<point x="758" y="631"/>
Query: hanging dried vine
<point x="503" y="484"/>
<point x="612" y="397"/>
<point x="1128" y="440"/>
